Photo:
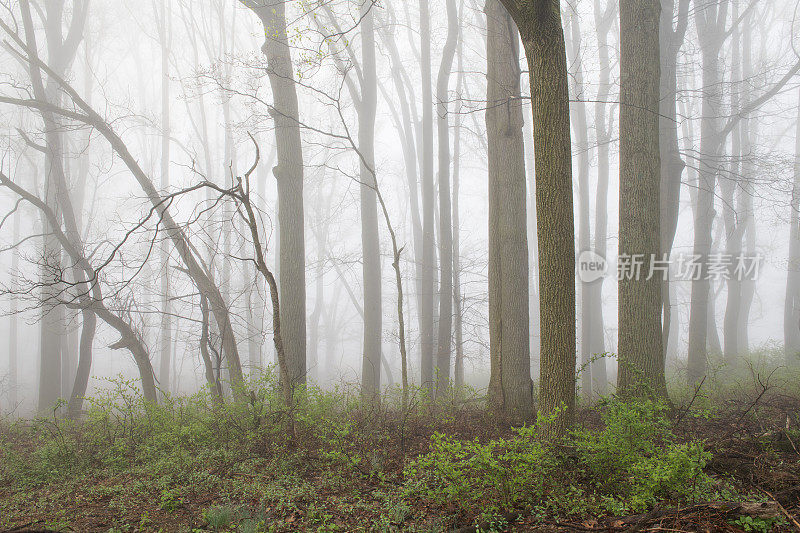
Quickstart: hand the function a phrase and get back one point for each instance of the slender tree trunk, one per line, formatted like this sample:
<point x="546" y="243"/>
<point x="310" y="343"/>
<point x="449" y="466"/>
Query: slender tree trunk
<point x="533" y="252"/>
<point x="747" y="132"/>
<point x="791" y="309"/>
<point x="581" y="131"/>
<point x="443" y="352"/>
<point x="371" y="362"/>
<point x="13" y="347"/>
<point x="603" y="125"/>
<point x="321" y="237"/>
<point x="710" y="19"/>
<point x="671" y="39"/>
<point x="733" y="234"/>
<point x="458" y="367"/>
<point x="166" y="318"/>
<point x="428" y="196"/>
<point x="406" y="124"/>
<point x="289" y="174"/>
<point x="61" y="54"/>
<point x="88" y="329"/>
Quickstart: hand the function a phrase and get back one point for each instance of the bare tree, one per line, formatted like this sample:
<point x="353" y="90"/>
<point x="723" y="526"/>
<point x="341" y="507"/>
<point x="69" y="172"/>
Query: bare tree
<point x="445" y="338"/>
<point x="83" y="113"/>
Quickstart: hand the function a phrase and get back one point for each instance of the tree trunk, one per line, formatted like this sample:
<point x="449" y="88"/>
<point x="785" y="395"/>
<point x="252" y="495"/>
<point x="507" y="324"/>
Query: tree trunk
<point x="88" y="330"/>
<point x="13" y="347"/>
<point x="710" y="21"/>
<point x="510" y="385"/>
<point x="671" y="39"/>
<point x="289" y="174"/>
<point x="428" y="196"/>
<point x="641" y="356"/>
<point x="603" y="126"/>
<point x="539" y="23"/>
<point x="61" y="54"/>
<point x="443" y="351"/>
<point x="458" y="366"/>
<point x="371" y="362"/>
<point x="166" y="318"/>
<point x="581" y="131"/>
<point x="791" y="309"/>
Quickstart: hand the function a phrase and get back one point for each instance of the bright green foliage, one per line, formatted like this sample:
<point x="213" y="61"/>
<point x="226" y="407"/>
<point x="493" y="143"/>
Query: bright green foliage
<point x="506" y="471"/>
<point x="754" y="524"/>
<point x="636" y="456"/>
<point x="634" y="459"/>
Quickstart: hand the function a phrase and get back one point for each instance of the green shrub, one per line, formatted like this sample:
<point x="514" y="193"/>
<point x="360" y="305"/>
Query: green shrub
<point x="466" y="473"/>
<point x="636" y="456"/>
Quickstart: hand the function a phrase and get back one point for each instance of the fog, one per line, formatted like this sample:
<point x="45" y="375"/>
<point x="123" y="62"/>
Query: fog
<point x="136" y="135"/>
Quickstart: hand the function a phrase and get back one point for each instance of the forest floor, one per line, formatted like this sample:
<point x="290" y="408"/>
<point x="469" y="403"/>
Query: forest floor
<point x="704" y="464"/>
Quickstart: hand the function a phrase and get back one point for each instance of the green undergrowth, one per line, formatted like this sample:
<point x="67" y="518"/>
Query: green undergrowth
<point x="630" y="464"/>
<point x="191" y="464"/>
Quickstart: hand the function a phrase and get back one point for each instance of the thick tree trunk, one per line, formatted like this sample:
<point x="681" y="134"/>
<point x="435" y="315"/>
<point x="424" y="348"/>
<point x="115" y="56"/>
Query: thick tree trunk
<point x="510" y="386"/>
<point x="539" y="23"/>
<point x="443" y="351"/>
<point x="641" y="355"/>
<point x="289" y="174"/>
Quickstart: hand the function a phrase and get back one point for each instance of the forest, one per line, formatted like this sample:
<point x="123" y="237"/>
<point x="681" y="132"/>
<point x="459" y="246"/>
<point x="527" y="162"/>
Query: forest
<point x="393" y="265"/>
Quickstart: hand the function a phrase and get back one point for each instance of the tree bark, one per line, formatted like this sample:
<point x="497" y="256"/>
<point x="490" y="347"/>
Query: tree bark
<point x="641" y="364"/>
<point x="581" y="131"/>
<point x="539" y="23"/>
<point x="510" y="386"/>
<point x="289" y="174"/>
